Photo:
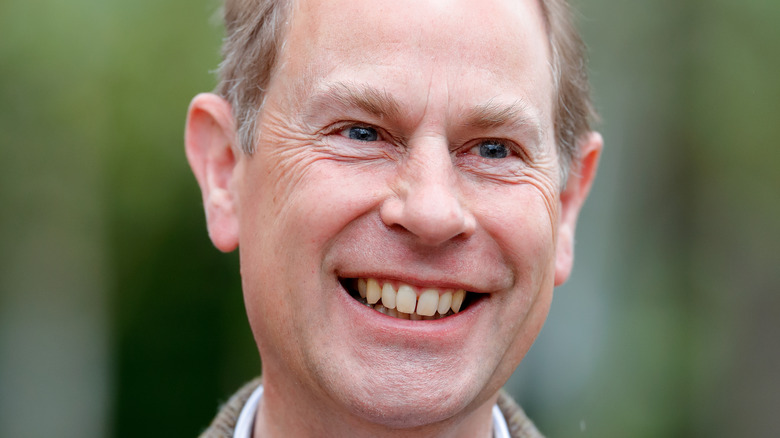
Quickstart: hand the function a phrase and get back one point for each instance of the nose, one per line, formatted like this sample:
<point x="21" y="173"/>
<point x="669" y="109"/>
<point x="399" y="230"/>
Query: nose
<point x="426" y="202"/>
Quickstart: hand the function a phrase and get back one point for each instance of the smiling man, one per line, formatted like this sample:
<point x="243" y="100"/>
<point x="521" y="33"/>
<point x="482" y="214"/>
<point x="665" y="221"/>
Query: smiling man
<point x="402" y="179"/>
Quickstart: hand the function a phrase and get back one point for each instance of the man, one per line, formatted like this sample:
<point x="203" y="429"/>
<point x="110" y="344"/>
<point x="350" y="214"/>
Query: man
<point x="402" y="179"/>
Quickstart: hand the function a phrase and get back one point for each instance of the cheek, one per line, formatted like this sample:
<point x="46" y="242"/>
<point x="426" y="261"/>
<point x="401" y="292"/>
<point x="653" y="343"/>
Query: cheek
<point x="522" y="220"/>
<point x="524" y="228"/>
<point x="293" y="211"/>
<point x="301" y="199"/>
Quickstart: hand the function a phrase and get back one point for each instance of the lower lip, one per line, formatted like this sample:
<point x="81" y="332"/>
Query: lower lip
<point x="450" y="328"/>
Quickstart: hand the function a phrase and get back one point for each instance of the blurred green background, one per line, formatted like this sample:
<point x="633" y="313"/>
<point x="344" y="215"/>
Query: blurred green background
<point x="119" y="319"/>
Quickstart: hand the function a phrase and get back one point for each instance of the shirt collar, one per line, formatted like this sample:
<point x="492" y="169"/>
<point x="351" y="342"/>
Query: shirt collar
<point x="246" y="419"/>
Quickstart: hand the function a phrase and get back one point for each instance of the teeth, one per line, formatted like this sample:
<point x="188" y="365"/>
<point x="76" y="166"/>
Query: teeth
<point x="404" y="303"/>
<point x="428" y="302"/>
<point x="388" y="296"/>
<point x="457" y="300"/>
<point x="373" y="292"/>
<point x="445" y="301"/>
<point x="362" y="287"/>
<point x="406" y="299"/>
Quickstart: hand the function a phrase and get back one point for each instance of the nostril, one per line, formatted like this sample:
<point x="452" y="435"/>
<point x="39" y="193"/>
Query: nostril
<point x="433" y="216"/>
<point x="435" y="224"/>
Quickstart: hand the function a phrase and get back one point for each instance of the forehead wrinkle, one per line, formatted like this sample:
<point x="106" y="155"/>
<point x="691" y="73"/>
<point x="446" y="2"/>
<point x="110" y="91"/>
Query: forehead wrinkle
<point x="348" y="95"/>
<point x="516" y="116"/>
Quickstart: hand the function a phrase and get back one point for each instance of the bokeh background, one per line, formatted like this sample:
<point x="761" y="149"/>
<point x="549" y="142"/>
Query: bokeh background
<point x="119" y="319"/>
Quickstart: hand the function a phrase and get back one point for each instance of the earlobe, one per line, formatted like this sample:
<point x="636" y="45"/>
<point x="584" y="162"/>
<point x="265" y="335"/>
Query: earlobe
<point x="572" y="198"/>
<point x="209" y="138"/>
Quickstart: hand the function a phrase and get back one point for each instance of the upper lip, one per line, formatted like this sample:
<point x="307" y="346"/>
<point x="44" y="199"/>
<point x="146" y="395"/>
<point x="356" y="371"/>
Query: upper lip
<point x="435" y="282"/>
<point x="366" y="249"/>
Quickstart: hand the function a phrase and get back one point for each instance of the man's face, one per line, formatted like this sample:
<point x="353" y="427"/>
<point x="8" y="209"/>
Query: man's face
<point x="411" y="143"/>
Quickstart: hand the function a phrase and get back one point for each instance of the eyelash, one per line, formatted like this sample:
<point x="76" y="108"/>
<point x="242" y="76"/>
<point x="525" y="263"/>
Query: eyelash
<point x="339" y="128"/>
<point x="513" y="149"/>
<point x="384" y="136"/>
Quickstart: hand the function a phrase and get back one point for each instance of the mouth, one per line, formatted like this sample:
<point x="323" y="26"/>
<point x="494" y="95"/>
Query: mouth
<point x="404" y="301"/>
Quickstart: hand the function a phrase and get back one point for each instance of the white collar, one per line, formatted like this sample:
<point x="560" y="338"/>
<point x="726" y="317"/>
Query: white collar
<point x="246" y="419"/>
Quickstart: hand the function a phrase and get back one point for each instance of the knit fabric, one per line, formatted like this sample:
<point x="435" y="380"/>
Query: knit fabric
<point x="225" y="421"/>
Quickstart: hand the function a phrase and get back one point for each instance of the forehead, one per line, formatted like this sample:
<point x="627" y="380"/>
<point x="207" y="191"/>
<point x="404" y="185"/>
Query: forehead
<point x="486" y="50"/>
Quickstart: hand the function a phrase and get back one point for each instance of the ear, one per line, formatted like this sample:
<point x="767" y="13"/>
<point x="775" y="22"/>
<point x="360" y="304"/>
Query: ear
<point x="209" y="139"/>
<point x="573" y="196"/>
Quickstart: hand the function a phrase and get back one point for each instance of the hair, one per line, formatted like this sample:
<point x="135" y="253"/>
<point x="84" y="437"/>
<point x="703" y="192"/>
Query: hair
<point x="255" y="31"/>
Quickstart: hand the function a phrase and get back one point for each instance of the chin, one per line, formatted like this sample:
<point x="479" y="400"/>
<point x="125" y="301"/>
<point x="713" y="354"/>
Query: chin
<point x="403" y="392"/>
<point x="408" y="406"/>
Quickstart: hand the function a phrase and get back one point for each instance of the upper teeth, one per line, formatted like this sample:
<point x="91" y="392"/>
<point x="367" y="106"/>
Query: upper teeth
<point x="407" y="302"/>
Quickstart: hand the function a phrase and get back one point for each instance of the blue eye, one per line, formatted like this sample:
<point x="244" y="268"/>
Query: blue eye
<point x="491" y="149"/>
<point x="362" y="133"/>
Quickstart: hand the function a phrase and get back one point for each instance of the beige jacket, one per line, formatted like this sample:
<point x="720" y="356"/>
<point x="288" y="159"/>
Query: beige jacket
<point x="225" y="421"/>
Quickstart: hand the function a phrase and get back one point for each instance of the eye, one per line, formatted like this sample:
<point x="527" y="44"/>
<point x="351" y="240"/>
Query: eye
<point x="491" y="149"/>
<point x="361" y="133"/>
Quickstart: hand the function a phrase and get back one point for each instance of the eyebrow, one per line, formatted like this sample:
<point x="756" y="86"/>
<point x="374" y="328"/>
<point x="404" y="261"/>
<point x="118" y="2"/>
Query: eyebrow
<point x="515" y="115"/>
<point x="350" y="95"/>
